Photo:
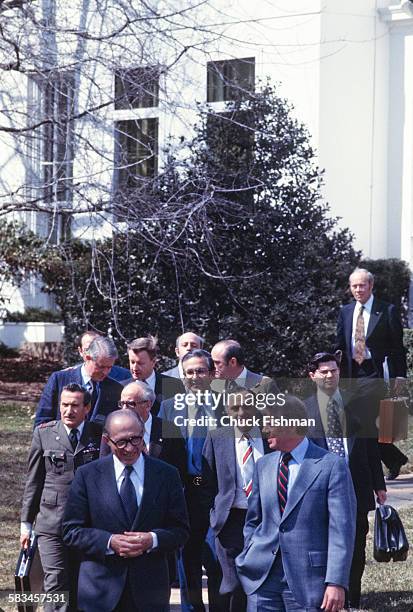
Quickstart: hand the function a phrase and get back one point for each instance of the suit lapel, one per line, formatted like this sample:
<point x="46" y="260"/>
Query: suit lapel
<point x="349" y="324"/>
<point x="270" y="475"/>
<point x="375" y="316"/>
<point x="150" y="491"/>
<point x="106" y="483"/>
<point x="309" y="471"/>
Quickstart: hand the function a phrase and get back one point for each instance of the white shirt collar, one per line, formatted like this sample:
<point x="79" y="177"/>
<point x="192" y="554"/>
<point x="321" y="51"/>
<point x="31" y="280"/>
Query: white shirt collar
<point x="138" y="466"/>
<point x="367" y="306"/>
<point x="85" y="376"/>
<point x="254" y="433"/>
<point x="151" y="380"/>
<point x="240" y="380"/>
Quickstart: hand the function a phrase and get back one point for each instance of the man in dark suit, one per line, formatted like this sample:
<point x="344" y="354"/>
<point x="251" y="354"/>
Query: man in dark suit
<point x="230" y="453"/>
<point x="143" y="353"/>
<point x="300" y="523"/>
<point x="93" y="375"/>
<point x="334" y="430"/>
<point x="195" y="413"/>
<point x="125" y="512"/>
<point x="58" y="448"/>
<point x="368" y="332"/>
<point x="184" y="343"/>
<point x="162" y="439"/>
<point x="83" y="342"/>
<point x="230" y="369"/>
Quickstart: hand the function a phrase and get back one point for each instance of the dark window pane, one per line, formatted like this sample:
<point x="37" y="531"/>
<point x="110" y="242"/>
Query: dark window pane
<point x="230" y="79"/>
<point x="137" y="87"/>
<point x="137" y="150"/>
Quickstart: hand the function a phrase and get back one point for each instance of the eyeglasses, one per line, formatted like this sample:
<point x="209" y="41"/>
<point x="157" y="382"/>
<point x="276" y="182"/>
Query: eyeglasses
<point x="134" y="440"/>
<point x="130" y="403"/>
<point x="198" y="371"/>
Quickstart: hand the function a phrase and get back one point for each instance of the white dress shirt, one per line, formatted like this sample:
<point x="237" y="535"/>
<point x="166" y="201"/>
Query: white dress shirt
<point x="151" y="380"/>
<point x="240" y="499"/>
<point x="366" y="318"/>
<point x="147" y="431"/>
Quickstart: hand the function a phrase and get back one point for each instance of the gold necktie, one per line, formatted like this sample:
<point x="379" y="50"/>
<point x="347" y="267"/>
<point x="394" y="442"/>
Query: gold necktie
<point x="360" y="339"/>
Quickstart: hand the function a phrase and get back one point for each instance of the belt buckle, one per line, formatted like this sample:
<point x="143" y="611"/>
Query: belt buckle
<point x="197" y="481"/>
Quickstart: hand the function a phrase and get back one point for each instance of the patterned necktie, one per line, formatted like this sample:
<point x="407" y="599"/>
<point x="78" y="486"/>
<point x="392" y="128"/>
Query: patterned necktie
<point x="360" y="338"/>
<point x="282" y="482"/>
<point x="73" y="438"/>
<point x="334" y="436"/>
<point x="128" y="494"/>
<point x="247" y="463"/>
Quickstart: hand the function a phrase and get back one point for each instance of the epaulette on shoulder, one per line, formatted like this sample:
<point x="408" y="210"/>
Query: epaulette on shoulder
<point x="48" y="424"/>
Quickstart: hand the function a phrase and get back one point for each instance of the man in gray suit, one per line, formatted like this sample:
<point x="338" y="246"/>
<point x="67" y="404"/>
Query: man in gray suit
<point x="230" y="453"/>
<point x="184" y="344"/>
<point x="58" y="449"/>
<point x="300" y="525"/>
<point x="230" y="368"/>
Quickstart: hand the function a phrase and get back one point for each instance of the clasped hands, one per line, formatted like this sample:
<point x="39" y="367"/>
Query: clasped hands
<point x="131" y="543"/>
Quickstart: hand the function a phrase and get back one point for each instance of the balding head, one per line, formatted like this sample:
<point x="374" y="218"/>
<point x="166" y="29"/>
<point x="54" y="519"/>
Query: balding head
<point x="228" y="359"/>
<point x="187" y="342"/>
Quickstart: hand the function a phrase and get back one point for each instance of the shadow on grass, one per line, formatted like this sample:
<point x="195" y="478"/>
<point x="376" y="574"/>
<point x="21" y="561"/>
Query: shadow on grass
<point x="387" y="601"/>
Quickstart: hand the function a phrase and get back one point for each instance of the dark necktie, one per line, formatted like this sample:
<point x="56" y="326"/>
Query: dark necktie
<point x="282" y="482"/>
<point x="360" y="338"/>
<point x="73" y="438"/>
<point x="128" y="494"/>
<point x="334" y="430"/>
<point x="230" y="385"/>
<point x="95" y="393"/>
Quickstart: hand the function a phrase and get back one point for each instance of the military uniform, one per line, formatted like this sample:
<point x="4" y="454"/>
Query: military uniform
<point x="52" y="464"/>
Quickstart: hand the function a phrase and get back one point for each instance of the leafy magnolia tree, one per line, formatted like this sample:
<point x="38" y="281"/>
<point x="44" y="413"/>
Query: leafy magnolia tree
<point x="243" y="245"/>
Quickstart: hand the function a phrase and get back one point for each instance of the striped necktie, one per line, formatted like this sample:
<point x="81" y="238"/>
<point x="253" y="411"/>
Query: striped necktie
<point x="247" y="463"/>
<point x="282" y="481"/>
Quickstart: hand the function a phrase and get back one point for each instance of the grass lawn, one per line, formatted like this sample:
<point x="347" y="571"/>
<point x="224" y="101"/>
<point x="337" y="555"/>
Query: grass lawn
<point x="386" y="586"/>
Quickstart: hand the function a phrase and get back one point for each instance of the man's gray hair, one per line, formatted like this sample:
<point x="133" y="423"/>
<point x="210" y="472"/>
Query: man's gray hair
<point x="148" y="394"/>
<point x="362" y="271"/>
<point x="199" y="338"/>
<point x="102" y="347"/>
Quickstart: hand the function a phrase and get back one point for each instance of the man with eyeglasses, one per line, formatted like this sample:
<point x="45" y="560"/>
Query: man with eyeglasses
<point x="336" y="430"/>
<point x="162" y="439"/>
<point x="58" y="448"/>
<point x="125" y="513"/>
<point x="195" y="413"/>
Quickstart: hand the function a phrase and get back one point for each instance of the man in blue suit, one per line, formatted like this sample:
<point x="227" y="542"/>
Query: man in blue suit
<point x="124" y="514"/>
<point x="300" y="525"/>
<point x="93" y="375"/>
<point x="369" y="331"/>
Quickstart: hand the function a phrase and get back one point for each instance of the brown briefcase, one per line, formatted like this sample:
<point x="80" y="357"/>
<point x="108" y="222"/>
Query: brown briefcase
<point x="28" y="577"/>
<point x="393" y="419"/>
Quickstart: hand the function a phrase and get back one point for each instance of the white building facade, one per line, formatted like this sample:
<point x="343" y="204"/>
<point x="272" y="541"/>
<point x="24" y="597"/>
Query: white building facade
<point x="346" y="68"/>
